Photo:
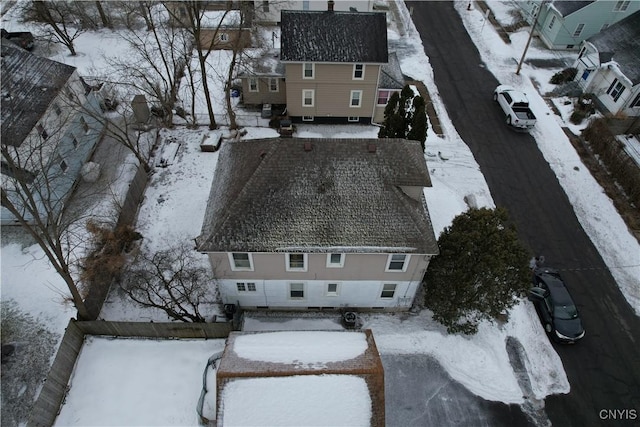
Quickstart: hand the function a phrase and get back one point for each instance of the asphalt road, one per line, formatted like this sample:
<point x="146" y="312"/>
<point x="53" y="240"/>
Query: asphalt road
<point x="604" y="368"/>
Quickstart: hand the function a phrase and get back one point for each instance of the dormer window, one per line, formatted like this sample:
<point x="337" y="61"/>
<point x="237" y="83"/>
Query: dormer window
<point x="308" y="70"/>
<point x="358" y="71"/>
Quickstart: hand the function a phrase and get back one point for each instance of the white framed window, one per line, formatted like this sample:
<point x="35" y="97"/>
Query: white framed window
<point x="615" y="90"/>
<point x="223" y="37"/>
<point x="353" y="119"/>
<point x="636" y="102"/>
<point x="356" y="99"/>
<point x="63" y="164"/>
<point x="296" y="262"/>
<point x="307" y="118"/>
<point x="265" y="6"/>
<point x="296" y="290"/>
<point x="42" y="131"/>
<point x="335" y="260"/>
<point x="388" y="291"/>
<point x="333" y="289"/>
<point x="308" y="70"/>
<point x="84" y="124"/>
<point x="397" y="262"/>
<point x="553" y="21"/>
<point x="246" y="287"/>
<point x="253" y="85"/>
<point x="241" y="261"/>
<point x="383" y="96"/>
<point x="358" y="71"/>
<point x="578" y="30"/>
<point x="308" y="97"/>
<point x="75" y="143"/>
<point x="273" y="84"/>
<point x="621" y="6"/>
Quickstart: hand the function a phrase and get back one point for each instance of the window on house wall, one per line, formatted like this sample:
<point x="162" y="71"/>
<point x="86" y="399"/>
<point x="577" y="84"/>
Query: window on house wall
<point x="604" y="27"/>
<point x="384" y="96"/>
<point x="353" y="119"/>
<point x="307" y="70"/>
<point x="246" y="287"/>
<point x="308" y="97"/>
<point x="84" y="124"/>
<point x="241" y="261"/>
<point x="265" y="6"/>
<point x="307" y="118"/>
<point x="253" y="85"/>
<point x="582" y="51"/>
<point x="273" y="84"/>
<point x="397" y="262"/>
<point x="585" y="74"/>
<point x="356" y="98"/>
<point x="296" y="290"/>
<point x="70" y="94"/>
<point x="42" y="131"/>
<point x="63" y="164"/>
<point x="296" y="262"/>
<point x="57" y="109"/>
<point x="358" y="71"/>
<point x="621" y="6"/>
<point x="335" y="260"/>
<point x="332" y="289"/>
<point x="75" y="143"/>
<point x="636" y="102"/>
<point x="615" y="90"/>
<point x="578" y="30"/>
<point x="570" y="46"/>
<point x="388" y="290"/>
<point x="223" y="37"/>
<point x="553" y="21"/>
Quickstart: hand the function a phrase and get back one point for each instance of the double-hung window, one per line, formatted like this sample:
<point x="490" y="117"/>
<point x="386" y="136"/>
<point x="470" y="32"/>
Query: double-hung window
<point x="358" y="71"/>
<point x="296" y="290"/>
<point x="383" y="96"/>
<point x="615" y="90"/>
<point x="296" y="262"/>
<point x="253" y="85"/>
<point x="241" y="261"/>
<point x="332" y="289"/>
<point x="578" y="30"/>
<point x="308" y="70"/>
<point x="553" y="21"/>
<point x="308" y="96"/>
<point x="388" y="290"/>
<point x="42" y="131"/>
<point x="273" y="85"/>
<point x="335" y="260"/>
<point x="356" y="98"/>
<point x="621" y="6"/>
<point x="397" y="262"/>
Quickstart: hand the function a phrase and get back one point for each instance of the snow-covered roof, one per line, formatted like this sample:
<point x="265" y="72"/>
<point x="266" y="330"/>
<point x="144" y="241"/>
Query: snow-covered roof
<point x="220" y="18"/>
<point x="391" y="76"/>
<point x="318" y="193"/>
<point x="566" y="8"/>
<point x="620" y="42"/>
<point x="29" y="84"/>
<point x="291" y="377"/>
<point x="323" y="36"/>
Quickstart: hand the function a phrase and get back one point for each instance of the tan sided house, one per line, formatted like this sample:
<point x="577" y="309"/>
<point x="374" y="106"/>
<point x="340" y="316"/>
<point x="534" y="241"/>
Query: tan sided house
<point x="332" y="67"/>
<point x="319" y="224"/>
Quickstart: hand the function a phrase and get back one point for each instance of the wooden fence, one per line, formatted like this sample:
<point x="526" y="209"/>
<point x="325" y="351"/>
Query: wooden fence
<point x="54" y="390"/>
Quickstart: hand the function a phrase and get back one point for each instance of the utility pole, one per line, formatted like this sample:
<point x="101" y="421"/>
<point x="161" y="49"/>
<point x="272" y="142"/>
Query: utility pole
<point x="533" y="27"/>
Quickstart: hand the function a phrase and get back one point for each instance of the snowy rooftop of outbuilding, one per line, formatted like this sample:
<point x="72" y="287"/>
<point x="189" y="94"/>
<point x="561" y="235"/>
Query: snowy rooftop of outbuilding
<point x="272" y="194"/>
<point x="220" y="18"/>
<point x="291" y="377"/>
<point x="323" y="36"/>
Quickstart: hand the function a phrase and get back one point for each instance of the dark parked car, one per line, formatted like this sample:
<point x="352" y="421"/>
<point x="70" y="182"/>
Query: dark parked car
<point x="555" y="306"/>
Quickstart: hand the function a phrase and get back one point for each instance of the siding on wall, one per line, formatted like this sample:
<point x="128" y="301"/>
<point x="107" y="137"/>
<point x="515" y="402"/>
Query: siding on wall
<point x="333" y="84"/>
<point x="264" y="95"/>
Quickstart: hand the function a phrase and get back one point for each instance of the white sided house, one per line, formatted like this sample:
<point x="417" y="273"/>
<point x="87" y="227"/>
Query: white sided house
<point x="319" y="224"/>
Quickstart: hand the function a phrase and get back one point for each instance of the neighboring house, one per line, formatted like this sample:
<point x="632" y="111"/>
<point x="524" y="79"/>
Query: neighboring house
<point x="268" y="12"/>
<point x="319" y="223"/>
<point x="223" y="25"/>
<point x="333" y="67"/>
<point x="293" y="378"/>
<point x="609" y="67"/>
<point x="49" y="129"/>
<point x="565" y="24"/>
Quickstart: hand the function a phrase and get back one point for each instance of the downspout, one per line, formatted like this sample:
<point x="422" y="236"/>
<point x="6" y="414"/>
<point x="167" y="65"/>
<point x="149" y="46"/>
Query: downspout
<point x="375" y="94"/>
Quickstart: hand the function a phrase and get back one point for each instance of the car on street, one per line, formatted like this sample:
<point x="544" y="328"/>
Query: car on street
<point x="555" y="307"/>
<point x="515" y="106"/>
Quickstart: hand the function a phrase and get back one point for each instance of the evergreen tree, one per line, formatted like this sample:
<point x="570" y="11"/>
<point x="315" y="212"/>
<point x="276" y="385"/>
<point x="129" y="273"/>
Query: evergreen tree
<point x="419" y="124"/>
<point x="480" y="272"/>
<point x="405" y="117"/>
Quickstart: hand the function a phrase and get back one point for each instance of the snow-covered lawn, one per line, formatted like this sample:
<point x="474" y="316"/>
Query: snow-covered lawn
<point x="172" y="213"/>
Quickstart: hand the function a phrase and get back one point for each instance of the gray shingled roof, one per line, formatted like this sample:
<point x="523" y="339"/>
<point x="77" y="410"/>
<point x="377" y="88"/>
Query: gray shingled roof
<point x="322" y="36"/>
<point x="391" y="76"/>
<point x="271" y="195"/>
<point x="620" y="42"/>
<point x="29" y="84"/>
<point x="566" y="8"/>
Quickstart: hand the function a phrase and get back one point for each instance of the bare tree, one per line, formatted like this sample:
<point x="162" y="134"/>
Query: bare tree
<point x="37" y="183"/>
<point x="156" y="62"/>
<point x="172" y="280"/>
<point x="58" y="19"/>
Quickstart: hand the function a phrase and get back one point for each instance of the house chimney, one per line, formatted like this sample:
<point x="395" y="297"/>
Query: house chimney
<point x="372" y="148"/>
<point x="308" y="146"/>
<point x="330" y="4"/>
